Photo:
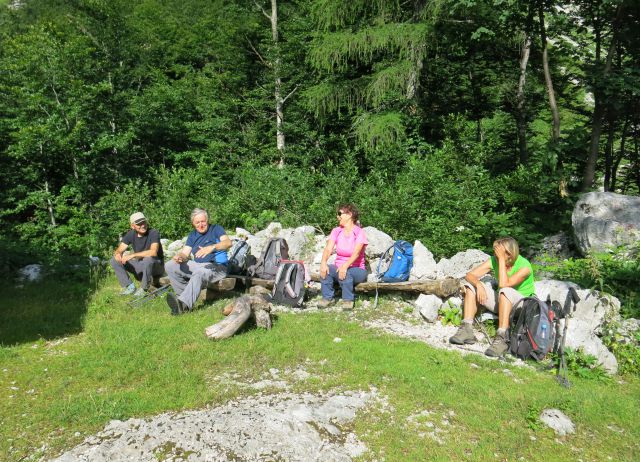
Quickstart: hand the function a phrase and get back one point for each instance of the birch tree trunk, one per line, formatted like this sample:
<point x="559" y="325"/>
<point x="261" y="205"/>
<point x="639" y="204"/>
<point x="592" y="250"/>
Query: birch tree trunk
<point x="280" y="140"/>
<point x="555" y="134"/>
<point x="522" y="115"/>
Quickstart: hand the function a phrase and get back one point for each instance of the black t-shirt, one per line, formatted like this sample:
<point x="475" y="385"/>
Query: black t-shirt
<point x="142" y="243"/>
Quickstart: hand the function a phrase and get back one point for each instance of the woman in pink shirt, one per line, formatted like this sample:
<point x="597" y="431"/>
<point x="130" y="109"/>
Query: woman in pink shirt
<point x="349" y="241"/>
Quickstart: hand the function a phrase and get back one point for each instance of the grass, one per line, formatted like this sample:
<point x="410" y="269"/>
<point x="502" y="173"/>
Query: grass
<point x="75" y="356"/>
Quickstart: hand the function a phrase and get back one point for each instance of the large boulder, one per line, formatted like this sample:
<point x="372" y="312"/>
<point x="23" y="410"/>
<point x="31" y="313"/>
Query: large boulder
<point x="424" y="265"/>
<point x="592" y="312"/>
<point x="378" y="242"/>
<point x="460" y="264"/>
<point x="604" y="219"/>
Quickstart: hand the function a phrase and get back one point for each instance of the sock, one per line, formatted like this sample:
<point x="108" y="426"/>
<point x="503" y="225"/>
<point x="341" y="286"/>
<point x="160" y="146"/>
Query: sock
<point x="467" y="321"/>
<point x="502" y="332"/>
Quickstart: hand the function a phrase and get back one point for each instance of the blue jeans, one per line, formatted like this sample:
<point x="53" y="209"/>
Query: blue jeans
<point x="354" y="276"/>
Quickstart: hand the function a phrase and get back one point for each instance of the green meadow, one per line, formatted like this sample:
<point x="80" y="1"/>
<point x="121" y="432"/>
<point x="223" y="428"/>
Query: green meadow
<point x="75" y="355"/>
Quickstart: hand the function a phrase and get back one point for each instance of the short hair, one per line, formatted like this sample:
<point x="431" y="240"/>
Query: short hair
<point x="352" y="209"/>
<point x="512" y="247"/>
<point x="197" y="212"/>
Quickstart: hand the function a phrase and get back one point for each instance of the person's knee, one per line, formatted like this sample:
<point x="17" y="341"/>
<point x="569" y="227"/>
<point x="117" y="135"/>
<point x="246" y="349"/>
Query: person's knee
<point x="170" y="267"/>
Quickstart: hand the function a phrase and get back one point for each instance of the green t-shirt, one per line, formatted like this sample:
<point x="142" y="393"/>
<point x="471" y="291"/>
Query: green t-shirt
<point x="526" y="287"/>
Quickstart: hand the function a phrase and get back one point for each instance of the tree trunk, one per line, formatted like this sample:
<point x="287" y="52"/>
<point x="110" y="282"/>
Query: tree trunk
<point x="280" y="140"/>
<point x="608" y="156"/>
<point x="555" y="134"/>
<point x="52" y="217"/>
<point x="620" y="156"/>
<point x="589" y="174"/>
<point x="521" y="118"/>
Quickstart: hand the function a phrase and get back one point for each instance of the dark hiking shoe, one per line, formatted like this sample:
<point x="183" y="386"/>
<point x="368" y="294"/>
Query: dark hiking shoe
<point x="498" y="347"/>
<point x="464" y="336"/>
<point x="177" y="306"/>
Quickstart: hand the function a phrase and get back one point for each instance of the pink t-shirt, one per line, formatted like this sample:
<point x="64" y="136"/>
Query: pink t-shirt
<point x="345" y="245"/>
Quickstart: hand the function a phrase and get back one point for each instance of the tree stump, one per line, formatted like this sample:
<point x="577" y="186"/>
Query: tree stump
<point x="254" y="305"/>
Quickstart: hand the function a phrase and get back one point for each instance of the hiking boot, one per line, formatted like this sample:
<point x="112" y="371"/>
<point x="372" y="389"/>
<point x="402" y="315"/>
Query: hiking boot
<point x="498" y="347"/>
<point x="346" y="305"/>
<point x="177" y="306"/>
<point x="325" y="303"/>
<point x="130" y="289"/>
<point x="464" y="336"/>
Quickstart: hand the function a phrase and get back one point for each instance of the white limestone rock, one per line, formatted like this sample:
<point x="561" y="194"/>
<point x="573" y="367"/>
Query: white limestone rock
<point x="428" y="306"/>
<point x="378" y="242"/>
<point x="592" y="312"/>
<point x="461" y="263"/>
<point x="605" y="219"/>
<point x="557" y="421"/>
<point x="424" y="265"/>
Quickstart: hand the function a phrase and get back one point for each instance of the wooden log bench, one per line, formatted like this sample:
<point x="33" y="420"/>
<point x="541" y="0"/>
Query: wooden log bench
<point x="442" y="288"/>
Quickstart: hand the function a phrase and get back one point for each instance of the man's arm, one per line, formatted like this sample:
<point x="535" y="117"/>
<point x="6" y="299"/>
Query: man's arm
<point x="152" y="252"/>
<point x="224" y="244"/>
<point x="117" y="254"/>
<point x="183" y="255"/>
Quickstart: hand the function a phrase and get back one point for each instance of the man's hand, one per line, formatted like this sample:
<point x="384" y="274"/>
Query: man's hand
<point x="204" y="251"/>
<point x="118" y="257"/>
<point x="324" y="270"/>
<point x="126" y="258"/>
<point x="180" y="258"/>
<point x="342" y="272"/>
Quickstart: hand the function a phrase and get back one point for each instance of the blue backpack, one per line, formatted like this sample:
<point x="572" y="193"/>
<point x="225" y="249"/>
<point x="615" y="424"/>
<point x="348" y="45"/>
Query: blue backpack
<point x="398" y="261"/>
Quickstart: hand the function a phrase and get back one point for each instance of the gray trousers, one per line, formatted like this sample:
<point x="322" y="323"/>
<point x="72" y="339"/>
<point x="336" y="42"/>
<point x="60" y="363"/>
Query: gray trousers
<point x="189" y="278"/>
<point x="143" y="270"/>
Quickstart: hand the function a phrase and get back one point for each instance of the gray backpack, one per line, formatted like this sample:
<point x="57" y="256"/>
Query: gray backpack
<point x="289" y="286"/>
<point x="266" y="266"/>
<point x="238" y="255"/>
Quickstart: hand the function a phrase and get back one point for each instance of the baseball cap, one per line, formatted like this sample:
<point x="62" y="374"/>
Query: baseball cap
<point x="137" y="218"/>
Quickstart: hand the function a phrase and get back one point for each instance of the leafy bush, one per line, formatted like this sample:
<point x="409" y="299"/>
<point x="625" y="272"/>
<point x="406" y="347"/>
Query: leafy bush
<point x="606" y="272"/>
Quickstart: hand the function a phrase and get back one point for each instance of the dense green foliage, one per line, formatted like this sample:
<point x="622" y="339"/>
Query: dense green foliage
<point x="409" y="109"/>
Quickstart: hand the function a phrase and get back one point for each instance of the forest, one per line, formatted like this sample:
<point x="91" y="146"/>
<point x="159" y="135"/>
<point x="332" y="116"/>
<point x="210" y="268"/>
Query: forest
<point x="448" y="121"/>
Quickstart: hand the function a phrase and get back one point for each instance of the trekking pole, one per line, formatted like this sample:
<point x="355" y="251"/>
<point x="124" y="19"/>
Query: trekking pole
<point x="136" y="303"/>
<point x="563" y="372"/>
<point x="482" y="329"/>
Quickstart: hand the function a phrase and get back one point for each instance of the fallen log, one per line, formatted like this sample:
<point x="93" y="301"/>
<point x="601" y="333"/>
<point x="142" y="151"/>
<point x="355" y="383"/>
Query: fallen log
<point x="255" y="305"/>
<point x="227" y="327"/>
<point x="443" y="288"/>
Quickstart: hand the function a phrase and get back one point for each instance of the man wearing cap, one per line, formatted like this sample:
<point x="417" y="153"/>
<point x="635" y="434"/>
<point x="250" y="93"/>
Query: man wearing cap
<point x="188" y="276"/>
<point x="144" y="262"/>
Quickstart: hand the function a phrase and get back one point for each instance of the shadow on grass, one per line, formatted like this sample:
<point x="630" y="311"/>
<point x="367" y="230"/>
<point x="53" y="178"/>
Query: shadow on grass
<point x="51" y="308"/>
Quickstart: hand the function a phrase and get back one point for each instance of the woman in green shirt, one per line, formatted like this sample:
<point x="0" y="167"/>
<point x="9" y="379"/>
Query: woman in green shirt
<point x="515" y="281"/>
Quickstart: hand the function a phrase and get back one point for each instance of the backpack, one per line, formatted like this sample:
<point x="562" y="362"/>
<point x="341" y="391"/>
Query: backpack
<point x="237" y="260"/>
<point x="266" y="266"/>
<point x="289" y="285"/>
<point x="396" y="263"/>
<point x="532" y="333"/>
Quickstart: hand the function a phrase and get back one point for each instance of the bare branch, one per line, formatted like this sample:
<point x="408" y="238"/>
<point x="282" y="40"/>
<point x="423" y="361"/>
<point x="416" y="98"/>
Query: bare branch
<point x="291" y="93"/>
<point x="263" y="10"/>
<point x="266" y="63"/>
